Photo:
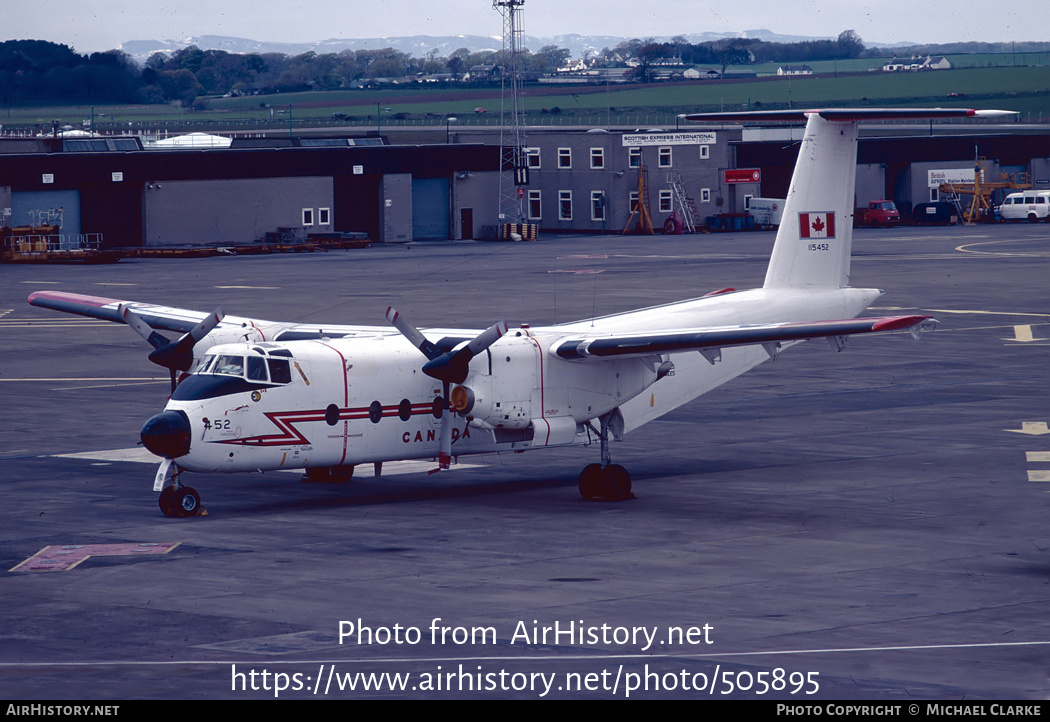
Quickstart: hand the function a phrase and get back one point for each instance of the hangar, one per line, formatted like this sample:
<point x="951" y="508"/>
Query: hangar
<point x="136" y="197"/>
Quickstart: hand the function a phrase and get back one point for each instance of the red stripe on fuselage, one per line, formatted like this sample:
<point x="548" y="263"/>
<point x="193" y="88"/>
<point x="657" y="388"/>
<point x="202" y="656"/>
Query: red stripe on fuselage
<point x="290" y="435"/>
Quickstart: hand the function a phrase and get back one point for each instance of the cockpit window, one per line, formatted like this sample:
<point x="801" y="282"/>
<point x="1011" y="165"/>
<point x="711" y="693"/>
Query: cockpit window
<point x="280" y="371"/>
<point x="229" y="366"/>
<point x="224" y="374"/>
<point x="257" y="369"/>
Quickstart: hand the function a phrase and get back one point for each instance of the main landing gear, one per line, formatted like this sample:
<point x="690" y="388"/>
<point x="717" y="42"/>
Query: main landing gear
<point x="177" y="501"/>
<point x="606" y="481"/>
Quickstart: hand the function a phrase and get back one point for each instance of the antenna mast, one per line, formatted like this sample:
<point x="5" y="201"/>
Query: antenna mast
<point x="512" y="127"/>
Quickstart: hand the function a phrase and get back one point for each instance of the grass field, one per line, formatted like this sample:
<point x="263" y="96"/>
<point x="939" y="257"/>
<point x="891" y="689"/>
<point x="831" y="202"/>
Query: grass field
<point x="1024" y="89"/>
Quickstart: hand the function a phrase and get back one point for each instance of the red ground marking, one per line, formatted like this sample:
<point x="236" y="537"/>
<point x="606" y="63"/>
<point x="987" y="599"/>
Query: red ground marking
<point x="65" y="557"/>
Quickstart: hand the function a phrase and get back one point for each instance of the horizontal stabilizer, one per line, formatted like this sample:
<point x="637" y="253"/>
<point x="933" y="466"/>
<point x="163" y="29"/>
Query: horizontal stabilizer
<point x="847" y="114"/>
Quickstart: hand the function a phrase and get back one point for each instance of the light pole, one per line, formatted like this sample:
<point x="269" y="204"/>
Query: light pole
<point x="448" y="121"/>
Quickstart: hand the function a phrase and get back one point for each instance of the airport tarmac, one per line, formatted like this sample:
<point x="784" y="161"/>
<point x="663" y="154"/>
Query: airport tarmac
<point x="870" y="524"/>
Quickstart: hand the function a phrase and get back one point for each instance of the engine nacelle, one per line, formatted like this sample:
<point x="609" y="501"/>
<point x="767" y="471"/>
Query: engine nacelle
<point x="475" y="400"/>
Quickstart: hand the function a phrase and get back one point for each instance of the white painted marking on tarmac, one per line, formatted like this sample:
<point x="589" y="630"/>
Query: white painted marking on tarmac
<point x="106" y="386"/>
<point x="1037" y="455"/>
<point x="137" y="454"/>
<point x="1039" y="475"/>
<point x="967" y="248"/>
<point x="114" y="283"/>
<point x="1023" y="334"/>
<point x="95" y="378"/>
<point x="256" y="288"/>
<point x="1032" y="428"/>
<point x="140" y="455"/>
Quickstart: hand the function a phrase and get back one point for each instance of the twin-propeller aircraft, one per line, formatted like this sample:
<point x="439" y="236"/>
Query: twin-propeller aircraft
<point x="263" y="395"/>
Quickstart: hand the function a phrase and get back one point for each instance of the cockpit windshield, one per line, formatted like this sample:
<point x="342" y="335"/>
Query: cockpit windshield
<point x="224" y="374"/>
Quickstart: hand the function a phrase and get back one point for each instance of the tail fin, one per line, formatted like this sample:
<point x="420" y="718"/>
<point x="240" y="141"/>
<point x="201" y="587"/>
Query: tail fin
<point x="814" y="242"/>
<point x="816" y="231"/>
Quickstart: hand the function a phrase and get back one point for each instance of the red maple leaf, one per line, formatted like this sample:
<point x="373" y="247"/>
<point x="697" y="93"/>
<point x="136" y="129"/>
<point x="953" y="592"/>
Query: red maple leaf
<point x="818" y="225"/>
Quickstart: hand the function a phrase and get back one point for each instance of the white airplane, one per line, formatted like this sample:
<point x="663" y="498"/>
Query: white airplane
<point x="264" y="395"/>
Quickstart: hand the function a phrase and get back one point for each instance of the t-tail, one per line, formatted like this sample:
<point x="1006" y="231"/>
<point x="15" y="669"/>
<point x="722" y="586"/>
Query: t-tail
<point x="813" y="245"/>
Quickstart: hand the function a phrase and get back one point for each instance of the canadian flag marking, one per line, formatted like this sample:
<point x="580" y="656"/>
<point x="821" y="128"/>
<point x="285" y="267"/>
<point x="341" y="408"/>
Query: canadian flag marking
<point x="816" y="225"/>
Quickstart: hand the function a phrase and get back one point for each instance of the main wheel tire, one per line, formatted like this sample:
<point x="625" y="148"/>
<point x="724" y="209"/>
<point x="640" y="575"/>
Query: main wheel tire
<point x="328" y="474"/>
<point x="187" y="501"/>
<point x="341" y="473"/>
<point x="616" y="483"/>
<point x="589" y="481"/>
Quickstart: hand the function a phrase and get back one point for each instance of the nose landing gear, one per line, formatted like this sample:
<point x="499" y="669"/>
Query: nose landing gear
<point x="178" y="501"/>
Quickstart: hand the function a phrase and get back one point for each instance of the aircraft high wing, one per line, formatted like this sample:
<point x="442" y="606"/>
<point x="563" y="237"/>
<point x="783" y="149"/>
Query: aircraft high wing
<point x="264" y="395"/>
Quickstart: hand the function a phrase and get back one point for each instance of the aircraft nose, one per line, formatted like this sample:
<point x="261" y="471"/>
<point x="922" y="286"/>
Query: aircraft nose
<point x="167" y="434"/>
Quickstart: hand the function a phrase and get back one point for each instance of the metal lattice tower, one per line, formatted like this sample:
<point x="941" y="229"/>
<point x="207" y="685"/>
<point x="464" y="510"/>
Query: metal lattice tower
<point x="512" y="126"/>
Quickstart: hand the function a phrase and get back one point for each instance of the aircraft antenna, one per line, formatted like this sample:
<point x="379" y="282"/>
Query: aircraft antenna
<point x="512" y="126"/>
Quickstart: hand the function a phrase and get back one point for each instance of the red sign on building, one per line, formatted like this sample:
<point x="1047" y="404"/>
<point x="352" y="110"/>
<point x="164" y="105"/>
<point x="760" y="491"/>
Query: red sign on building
<point x="743" y="175"/>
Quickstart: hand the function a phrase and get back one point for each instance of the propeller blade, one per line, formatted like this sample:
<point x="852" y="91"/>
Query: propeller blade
<point x="412" y="333"/>
<point x="178" y="356"/>
<point x="453" y="366"/>
<point x="139" y="326"/>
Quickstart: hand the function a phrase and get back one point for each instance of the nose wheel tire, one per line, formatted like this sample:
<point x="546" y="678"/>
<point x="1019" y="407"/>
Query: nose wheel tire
<point x="180" y="502"/>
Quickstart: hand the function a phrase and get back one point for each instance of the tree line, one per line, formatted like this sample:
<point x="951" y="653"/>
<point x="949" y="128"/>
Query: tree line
<point x="34" y="71"/>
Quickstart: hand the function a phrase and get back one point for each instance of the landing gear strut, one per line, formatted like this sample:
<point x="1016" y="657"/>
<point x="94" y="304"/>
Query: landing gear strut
<point x="178" y="501"/>
<point x="605" y="481"/>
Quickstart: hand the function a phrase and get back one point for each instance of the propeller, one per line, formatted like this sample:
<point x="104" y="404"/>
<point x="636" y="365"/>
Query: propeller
<point x="172" y="355"/>
<point x="449" y="367"/>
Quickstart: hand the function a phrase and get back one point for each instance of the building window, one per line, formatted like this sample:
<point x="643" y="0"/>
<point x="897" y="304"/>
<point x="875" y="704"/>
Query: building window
<point x="665" y="201"/>
<point x="564" y="205"/>
<point x="324" y="216"/>
<point x="532" y="157"/>
<point x="705" y="152"/>
<point x="747" y="202"/>
<point x="565" y="157"/>
<point x="535" y="207"/>
<point x="634" y="201"/>
<point x="597" y="205"/>
<point x="665" y="157"/>
<point x="308" y="216"/>
<point x="705" y="195"/>
<point x="597" y="158"/>
<point x="634" y="157"/>
<point x="935" y="196"/>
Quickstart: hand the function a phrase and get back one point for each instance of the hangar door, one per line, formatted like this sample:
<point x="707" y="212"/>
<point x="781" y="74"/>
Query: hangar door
<point x="60" y="208"/>
<point x="430" y="209"/>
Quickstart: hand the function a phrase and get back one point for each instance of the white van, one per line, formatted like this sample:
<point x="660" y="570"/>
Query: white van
<point x="1030" y="205"/>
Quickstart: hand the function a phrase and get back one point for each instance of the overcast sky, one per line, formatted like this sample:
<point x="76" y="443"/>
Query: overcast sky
<point x="92" y="25"/>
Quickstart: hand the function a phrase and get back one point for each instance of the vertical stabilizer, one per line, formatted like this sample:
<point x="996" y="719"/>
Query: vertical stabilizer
<point x="813" y="244"/>
<point x="816" y="232"/>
